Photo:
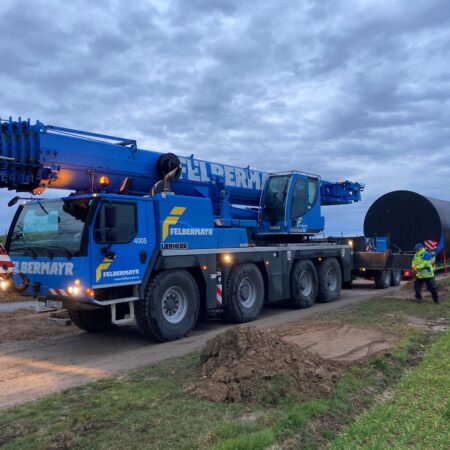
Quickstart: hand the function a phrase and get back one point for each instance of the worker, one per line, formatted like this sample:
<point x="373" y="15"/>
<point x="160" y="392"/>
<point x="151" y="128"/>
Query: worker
<point x="422" y="265"/>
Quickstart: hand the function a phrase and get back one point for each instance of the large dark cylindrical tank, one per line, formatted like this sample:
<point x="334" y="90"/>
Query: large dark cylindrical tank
<point x="408" y="218"/>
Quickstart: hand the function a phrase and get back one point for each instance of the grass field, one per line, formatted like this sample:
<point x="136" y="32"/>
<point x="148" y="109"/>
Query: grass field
<point x="417" y="415"/>
<point x="149" y="408"/>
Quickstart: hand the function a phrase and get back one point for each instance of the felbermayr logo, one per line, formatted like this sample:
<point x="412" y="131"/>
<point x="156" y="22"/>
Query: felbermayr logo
<point x="43" y="268"/>
<point x="173" y="218"/>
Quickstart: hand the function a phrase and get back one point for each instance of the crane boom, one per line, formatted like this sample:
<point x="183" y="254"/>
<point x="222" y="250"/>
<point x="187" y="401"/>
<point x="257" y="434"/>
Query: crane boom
<point x="44" y="156"/>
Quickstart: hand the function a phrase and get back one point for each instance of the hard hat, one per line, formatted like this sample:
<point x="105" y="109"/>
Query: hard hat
<point x="418" y="246"/>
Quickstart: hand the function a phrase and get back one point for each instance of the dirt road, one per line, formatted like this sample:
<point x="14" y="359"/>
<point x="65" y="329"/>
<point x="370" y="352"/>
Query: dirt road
<point x="33" y="368"/>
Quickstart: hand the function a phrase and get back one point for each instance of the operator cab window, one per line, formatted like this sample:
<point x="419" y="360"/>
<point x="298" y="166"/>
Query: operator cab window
<point x="299" y="199"/>
<point x="313" y="190"/>
<point x="274" y="198"/>
<point x="126" y="224"/>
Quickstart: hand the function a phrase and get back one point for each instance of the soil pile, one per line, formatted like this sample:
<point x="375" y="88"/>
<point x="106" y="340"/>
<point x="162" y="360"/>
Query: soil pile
<point x="248" y="364"/>
<point x="10" y="297"/>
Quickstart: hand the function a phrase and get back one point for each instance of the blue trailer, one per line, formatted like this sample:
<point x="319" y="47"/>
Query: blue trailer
<point x="159" y="239"/>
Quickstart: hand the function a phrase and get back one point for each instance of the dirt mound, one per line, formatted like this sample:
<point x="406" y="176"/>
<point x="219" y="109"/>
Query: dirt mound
<point x="24" y="324"/>
<point x="10" y="297"/>
<point x="248" y="364"/>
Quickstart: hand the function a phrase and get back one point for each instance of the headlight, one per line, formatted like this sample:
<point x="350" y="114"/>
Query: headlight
<point x="3" y="285"/>
<point x="74" y="290"/>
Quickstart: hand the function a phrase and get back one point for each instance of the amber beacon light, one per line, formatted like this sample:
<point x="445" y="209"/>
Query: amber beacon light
<point x="104" y="182"/>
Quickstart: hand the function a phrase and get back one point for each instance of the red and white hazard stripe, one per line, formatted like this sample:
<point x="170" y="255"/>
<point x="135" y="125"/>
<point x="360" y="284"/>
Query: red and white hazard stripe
<point x="218" y="222"/>
<point x="219" y="288"/>
<point x="6" y="265"/>
<point x="58" y="292"/>
<point x="431" y="247"/>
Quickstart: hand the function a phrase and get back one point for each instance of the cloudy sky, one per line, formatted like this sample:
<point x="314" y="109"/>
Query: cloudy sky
<point x="353" y="90"/>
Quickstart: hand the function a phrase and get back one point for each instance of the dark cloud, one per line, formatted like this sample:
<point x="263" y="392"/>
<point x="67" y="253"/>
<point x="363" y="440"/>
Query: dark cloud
<point x="346" y="89"/>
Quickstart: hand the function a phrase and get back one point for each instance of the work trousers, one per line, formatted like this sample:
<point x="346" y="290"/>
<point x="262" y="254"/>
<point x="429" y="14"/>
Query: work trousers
<point x="431" y="286"/>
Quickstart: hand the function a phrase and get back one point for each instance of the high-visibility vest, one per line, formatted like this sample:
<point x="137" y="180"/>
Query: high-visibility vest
<point x="423" y="264"/>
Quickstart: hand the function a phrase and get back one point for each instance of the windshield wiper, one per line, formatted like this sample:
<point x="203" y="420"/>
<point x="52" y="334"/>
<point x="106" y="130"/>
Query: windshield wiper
<point x="43" y="209"/>
<point x="49" y="252"/>
<point x="30" y="250"/>
<point x="69" y="253"/>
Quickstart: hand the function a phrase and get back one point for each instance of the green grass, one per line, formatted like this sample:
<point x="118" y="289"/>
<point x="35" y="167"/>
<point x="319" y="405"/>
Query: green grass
<point x="149" y="408"/>
<point x="417" y="416"/>
<point x="390" y="315"/>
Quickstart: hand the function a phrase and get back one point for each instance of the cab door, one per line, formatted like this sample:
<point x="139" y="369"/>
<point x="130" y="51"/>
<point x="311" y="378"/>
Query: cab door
<point x="119" y="243"/>
<point x="303" y="212"/>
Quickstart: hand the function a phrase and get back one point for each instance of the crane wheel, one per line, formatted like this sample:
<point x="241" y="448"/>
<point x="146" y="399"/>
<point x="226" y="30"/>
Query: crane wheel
<point x="396" y="277"/>
<point x="170" y="307"/>
<point x="244" y="294"/>
<point x="330" y="281"/>
<point x="383" y="279"/>
<point x="94" y="321"/>
<point x="304" y="284"/>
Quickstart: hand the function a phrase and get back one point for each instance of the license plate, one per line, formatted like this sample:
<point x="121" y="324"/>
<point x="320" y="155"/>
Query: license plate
<point x="51" y="304"/>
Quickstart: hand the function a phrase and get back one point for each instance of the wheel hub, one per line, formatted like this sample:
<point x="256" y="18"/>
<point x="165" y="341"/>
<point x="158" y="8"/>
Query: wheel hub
<point x="305" y="283"/>
<point x="331" y="280"/>
<point x="174" y="304"/>
<point x="247" y="292"/>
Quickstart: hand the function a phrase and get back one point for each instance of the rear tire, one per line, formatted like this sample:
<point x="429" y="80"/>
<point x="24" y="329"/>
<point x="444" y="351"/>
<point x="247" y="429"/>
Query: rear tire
<point x="396" y="277"/>
<point x="304" y="284"/>
<point x="94" y="321"/>
<point x="383" y="279"/>
<point x="170" y="307"/>
<point x="330" y="281"/>
<point x="244" y="295"/>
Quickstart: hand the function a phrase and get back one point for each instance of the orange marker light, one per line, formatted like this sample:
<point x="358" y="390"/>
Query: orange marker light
<point x="104" y="182"/>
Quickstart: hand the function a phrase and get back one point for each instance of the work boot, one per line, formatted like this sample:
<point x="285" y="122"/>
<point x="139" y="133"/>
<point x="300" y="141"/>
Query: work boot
<point x="418" y="299"/>
<point x="436" y="301"/>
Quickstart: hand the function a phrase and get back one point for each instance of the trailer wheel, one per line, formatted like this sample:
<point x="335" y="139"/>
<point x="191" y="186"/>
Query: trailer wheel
<point x="170" y="307"/>
<point x="396" y="277"/>
<point x="383" y="279"/>
<point x="244" y="294"/>
<point x="94" y="321"/>
<point x="330" y="281"/>
<point x="304" y="284"/>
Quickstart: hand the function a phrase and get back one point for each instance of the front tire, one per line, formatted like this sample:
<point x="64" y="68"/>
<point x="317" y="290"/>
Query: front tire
<point x="304" y="284"/>
<point x="170" y="307"/>
<point x="244" y="295"/>
<point x="93" y="321"/>
<point x="330" y="281"/>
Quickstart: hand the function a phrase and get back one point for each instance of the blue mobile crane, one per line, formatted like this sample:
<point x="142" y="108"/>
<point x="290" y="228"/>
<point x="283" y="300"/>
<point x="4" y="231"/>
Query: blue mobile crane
<point x="159" y="239"/>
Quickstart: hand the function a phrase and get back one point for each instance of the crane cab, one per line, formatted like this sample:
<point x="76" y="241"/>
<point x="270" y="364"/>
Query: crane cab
<point x="290" y="205"/>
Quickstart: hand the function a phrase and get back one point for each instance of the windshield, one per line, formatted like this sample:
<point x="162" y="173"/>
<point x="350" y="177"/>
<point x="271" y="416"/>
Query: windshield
<point x="50" y="228"/>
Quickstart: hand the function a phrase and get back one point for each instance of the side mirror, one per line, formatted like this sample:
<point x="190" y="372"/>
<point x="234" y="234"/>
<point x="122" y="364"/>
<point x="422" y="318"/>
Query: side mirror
<point x="13" y="201"/>
<point x="110" y="216"/>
